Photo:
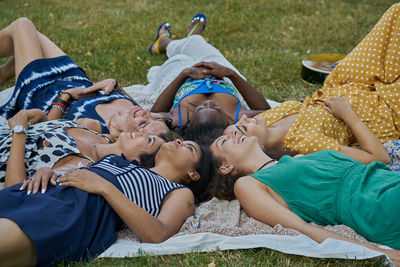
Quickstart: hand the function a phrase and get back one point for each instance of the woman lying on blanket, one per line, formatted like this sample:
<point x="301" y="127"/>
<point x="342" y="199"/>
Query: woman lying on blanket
<point x="200" y="93"/>
<point x="60" y="143"/>
<point x="325" y="187"/>
<point x="79" y="217"/>
<point x="48" y="79"/>
<point x="367" y="77"/>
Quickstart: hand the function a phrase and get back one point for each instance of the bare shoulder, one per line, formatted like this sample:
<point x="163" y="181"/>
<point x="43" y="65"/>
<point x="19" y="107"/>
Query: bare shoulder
<point x="181" y="195"/>
<point x="245" y="183"/>
<point x="89" y="123"/>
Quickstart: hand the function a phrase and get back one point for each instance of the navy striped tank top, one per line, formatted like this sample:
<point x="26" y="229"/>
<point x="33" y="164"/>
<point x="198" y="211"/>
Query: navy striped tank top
<point x="145" y="188"/>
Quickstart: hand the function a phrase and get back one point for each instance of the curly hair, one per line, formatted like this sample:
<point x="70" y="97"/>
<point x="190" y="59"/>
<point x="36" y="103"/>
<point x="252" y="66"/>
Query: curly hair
<point x="204" y="167"/>
<point x="221" y="186"/>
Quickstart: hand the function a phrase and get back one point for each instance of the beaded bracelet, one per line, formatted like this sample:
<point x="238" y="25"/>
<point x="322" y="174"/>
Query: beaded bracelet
<point x="59" y="108"/>
<point x="59" y="104"/>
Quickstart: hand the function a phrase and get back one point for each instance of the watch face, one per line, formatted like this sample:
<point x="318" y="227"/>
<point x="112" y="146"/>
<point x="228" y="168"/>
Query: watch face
<point x="18" y="129"/>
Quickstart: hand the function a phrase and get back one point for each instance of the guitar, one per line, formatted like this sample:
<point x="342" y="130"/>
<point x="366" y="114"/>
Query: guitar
<point x="315" y="68"/>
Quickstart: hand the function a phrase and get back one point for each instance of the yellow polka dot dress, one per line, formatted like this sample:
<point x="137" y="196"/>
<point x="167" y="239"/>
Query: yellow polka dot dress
<point x="368" y="78"/>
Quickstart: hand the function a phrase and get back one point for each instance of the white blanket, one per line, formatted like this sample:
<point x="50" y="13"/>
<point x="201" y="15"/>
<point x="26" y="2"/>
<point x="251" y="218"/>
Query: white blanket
<point x="202" y="242"/>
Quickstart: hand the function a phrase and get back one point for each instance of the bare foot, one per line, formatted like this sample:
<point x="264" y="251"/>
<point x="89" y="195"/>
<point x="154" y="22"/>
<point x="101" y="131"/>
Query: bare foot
<point x="199" y="28"/>
<point x="7" y="71"/>
<point x="163" y="40"/>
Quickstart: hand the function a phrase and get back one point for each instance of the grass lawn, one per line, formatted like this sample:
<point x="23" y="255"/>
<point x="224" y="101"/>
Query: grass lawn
<point x="265" y="40"/>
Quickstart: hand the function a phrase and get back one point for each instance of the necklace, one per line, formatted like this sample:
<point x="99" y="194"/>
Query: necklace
<point x="265" y="164"/>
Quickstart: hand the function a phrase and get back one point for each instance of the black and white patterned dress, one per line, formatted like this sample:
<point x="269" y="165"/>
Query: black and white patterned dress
<point x="46" y="143"/>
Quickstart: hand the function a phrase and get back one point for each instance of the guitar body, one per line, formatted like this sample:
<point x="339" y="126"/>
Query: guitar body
<point x="315" y="68"/>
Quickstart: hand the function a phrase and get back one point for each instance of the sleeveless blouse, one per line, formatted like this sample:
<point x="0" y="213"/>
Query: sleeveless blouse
<point x="86" y="108"/>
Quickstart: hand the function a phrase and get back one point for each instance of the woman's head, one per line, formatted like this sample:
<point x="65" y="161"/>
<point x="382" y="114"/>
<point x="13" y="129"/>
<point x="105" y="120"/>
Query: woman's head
<point x="148" y="159"/>
<point x="190" y="162"/>
<point x="137" y="119"/>
<point x="229" y="154"/>
<point x="209" y="112"/>
<point x="133" y="144"/>
<point x="250" y="127"/>
<point x="232" y="151"/>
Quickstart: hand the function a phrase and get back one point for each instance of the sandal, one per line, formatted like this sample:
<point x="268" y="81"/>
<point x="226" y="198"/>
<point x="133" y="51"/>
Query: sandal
<point x="159" y="37"/>
<point x="198" y="16"/>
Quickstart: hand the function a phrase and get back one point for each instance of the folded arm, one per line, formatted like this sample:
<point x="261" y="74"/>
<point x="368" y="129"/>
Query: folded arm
<point x="253" y="98"/>
<point x="69" y="95"/>
<point x="371" y="148"/>
<point x="177" y="207"/>
<point x="166" y="98"/>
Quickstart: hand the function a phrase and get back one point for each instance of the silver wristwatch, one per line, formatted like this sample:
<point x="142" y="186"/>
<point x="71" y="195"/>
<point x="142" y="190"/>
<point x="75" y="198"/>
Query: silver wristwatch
<point x="19" y="129"/>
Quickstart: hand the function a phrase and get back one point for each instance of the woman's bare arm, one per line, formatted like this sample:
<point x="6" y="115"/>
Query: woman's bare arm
<point x="261" y="205"/>
<point x="165" y="100"/>
<point x="177" y="207"/>
<point x="15" y="171"/>
<point x="253" y="98"/>
<point x="371" y="148"/>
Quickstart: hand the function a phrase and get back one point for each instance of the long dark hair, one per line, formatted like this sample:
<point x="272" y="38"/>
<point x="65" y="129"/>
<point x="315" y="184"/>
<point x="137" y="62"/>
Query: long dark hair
<point x="204" y="167"/>
<point x="221" y="186"/>
<point x="203" y="133"/>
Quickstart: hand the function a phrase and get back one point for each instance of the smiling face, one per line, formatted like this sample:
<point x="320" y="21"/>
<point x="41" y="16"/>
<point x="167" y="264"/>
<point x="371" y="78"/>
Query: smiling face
<point x="249" y="127"/>
<point x="143" y="119"/>
<point x="232" y="149"/>
<point x="137" y="119"/>
<point x="134" y="144"/>
<point x="181" y="155"/>
<point x="209" y="111"/>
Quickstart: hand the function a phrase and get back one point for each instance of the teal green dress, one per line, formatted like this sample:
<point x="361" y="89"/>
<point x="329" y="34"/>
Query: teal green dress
<point x="328" y="187"/>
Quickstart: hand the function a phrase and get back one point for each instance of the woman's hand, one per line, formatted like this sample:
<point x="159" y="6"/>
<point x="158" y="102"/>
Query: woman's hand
<point x="84" y="180"/>
<point x="339" y="107"/>
<point x="27" y="117"/>
<point x="196" y="73"/>
<point x="214" y="69"/>
<point x="107" y="85"/>
<point x="40" y="179"/>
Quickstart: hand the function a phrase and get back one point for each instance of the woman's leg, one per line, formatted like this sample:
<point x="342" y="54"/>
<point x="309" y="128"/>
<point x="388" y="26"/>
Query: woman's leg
<point x="369" y="77"/>
<point x="16" y="248"/>
<point x="21" y="40"/>
<point x="7" y="70"/>
<point x="197" y="49"/>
